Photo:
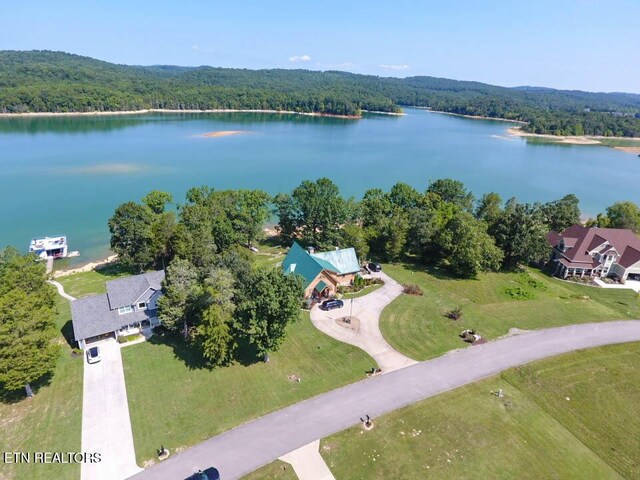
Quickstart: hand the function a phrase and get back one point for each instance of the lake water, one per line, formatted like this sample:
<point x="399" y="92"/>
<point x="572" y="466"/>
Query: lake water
<point x="68" y="174"/>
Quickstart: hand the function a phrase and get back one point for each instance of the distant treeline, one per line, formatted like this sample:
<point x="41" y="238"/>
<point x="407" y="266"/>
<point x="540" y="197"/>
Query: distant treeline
<point x="43" y="81"/>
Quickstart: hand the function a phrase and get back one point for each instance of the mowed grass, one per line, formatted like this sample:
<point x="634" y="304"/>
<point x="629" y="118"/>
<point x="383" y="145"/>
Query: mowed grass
<point x="417" y="326"/>
<point x="277" y="470"/>
<point x="88" y="283"/>
<point x="50" y="421"/>
<point x="533" y="432"/>
<point x="176" y="403"/>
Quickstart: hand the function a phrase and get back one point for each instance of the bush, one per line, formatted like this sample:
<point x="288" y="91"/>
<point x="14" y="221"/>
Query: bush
<point x="528" y="281"/>
<point x="454" y="314"/>
<point x="412" y="289"/>
<point x="518" y="293"/>
<point x="129" y="338"/>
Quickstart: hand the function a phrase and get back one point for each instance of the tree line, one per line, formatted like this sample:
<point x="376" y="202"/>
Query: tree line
<point x="220" y="302"/>
<point x="44" y="81"/>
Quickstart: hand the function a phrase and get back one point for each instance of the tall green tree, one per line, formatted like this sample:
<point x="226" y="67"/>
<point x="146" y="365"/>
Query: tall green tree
<point x="157" y="200"/>
<point x="131" y="234"/>
<point x="181" y="289"/>
<point x="624" y="215"/>
<point x="561" y="214"/>
<point x="452" y="191"/>
<point x="252" y="213"/>
<point x="27" y="321"/>
<point x="466" y="246"/>
<point x="489" y="208"/>
<point x="521" y="233"/>
<point x="215" y="330"/>
<point x="270" y="301"/>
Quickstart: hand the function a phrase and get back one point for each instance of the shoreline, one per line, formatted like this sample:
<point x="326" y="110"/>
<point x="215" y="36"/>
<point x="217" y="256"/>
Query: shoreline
<point x="87" y="267"/>
<point x="472" y="117"/>
<point x="162" y="110"/>
<point x="578" y="139"/>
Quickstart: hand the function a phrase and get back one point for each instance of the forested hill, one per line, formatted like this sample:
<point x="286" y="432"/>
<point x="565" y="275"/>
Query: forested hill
<point x="44" y="81"/>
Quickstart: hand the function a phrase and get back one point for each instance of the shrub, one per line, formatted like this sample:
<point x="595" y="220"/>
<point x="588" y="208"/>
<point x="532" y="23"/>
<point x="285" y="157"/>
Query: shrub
<point x="518" y="293"/>
<point x="412" y="289"/>
<point x="129" y="338"/>
<point x="454" y="314"/>
<point x="528" y="281"/>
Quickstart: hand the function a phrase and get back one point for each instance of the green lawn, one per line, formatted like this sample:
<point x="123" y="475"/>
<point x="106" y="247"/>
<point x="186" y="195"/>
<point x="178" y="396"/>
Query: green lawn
<point x="176" y="403"/>
<point x="51" y="420"/>
<point x="534" y="432"/>
<point x="88" y="283"/>
<point x="417" y="326"/>
<point x="363" y="292"/>
<point x="277" y="470"/>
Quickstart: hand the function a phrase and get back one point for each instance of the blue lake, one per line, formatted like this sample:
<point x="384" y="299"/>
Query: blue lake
<point x="68" y="174"/>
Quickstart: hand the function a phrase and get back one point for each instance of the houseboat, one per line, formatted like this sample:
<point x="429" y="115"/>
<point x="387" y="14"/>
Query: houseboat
<point x="50" y="247"/>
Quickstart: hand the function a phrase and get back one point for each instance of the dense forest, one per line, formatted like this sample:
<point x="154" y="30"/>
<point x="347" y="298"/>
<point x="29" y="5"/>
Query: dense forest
<point x="44" y="81"/>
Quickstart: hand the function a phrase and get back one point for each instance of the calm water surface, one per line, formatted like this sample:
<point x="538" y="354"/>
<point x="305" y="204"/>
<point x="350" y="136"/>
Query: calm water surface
<point x="67" y="174"/>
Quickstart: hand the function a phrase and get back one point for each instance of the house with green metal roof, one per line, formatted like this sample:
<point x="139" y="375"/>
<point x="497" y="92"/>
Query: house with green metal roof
<point x="322" y="272"/>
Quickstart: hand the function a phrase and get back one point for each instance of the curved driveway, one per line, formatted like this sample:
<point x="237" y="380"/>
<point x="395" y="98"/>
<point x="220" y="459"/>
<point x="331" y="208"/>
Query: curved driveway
<point x="367" y="309"/>
<point x="246" y="448"/>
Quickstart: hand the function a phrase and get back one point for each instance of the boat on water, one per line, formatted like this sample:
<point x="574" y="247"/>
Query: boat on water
<point x="51" y="247"/>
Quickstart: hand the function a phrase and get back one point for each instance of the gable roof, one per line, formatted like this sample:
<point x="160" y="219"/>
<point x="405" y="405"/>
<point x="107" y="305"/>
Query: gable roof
<point x="125" y="291"/>
<point x="583" y="240"/>
<point x="92" y="317"/>
<point x="345" y="260"/>
<point x="301" y="262"/>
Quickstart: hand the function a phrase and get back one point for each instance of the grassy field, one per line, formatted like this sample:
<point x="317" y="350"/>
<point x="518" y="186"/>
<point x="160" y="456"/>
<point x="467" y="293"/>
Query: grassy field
<point x="573" y="416"/>
<point x="176" y="402"/>
<point x="88" y="283"/>
<point x="51" y="420"/>
<point x="277" y="470"/>
<point x="417" y="326"/>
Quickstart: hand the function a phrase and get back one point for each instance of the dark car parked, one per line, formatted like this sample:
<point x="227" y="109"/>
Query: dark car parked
<point x="374" y="267"/>
<point x="331" y="304"/>
<point x="208" y="474"/>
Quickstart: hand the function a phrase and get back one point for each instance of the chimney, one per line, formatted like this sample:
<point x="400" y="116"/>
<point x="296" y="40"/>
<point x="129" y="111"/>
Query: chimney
<point x="311" y="250"/>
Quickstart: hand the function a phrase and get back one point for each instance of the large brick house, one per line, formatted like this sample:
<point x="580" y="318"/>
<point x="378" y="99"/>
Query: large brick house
<point x="322" y="272"/>
<point x="596" y="252"/>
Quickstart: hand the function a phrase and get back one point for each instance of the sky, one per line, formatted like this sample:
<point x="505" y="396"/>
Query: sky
<point x="581" y="44"/>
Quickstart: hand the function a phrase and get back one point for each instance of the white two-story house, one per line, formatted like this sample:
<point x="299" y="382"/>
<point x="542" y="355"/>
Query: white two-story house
<point x="129" y="305"/>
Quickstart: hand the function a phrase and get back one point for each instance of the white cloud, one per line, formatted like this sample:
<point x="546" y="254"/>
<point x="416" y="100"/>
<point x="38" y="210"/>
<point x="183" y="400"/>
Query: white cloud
<point x="195" y="47"/>
<point x="394" y="67"/>
<point x="299" y="58"/>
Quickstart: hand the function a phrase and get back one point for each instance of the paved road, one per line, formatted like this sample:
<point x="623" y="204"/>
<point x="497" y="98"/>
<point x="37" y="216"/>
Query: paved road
<point x="367" y="310"/>
<point x="106" y="426"/>
<point x="246" y="448"/>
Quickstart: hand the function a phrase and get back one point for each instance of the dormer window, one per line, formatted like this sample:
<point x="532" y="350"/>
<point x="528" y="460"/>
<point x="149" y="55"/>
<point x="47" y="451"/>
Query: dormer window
<point x="142" y="306"/>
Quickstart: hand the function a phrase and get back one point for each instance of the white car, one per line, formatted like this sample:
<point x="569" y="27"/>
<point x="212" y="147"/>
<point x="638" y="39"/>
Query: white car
<point x="93" y="355"/>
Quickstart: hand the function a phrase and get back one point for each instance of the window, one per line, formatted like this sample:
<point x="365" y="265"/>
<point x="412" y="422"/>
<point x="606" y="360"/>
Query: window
<point x="142" y="306"/>
<point x="126" y="309"/>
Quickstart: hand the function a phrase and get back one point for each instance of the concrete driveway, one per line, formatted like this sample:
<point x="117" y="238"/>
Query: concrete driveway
<point x="106" y="426"/>
<point x="367" y="310"/>
<point x="240" y="451"/>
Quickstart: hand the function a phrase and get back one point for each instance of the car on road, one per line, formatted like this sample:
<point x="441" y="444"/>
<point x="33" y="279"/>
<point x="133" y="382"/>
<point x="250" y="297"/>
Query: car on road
<point x="93" y="355"/>
<point x="374" y="267"/>
<point x="208" y="474"/>
<point x="331" y="304"/>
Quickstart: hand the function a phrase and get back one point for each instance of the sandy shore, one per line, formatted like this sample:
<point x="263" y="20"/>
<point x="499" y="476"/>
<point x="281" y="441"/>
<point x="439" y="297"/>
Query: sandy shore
<point x="473" y="117"/>
<point x="577" y="139"/>
<point x="223" y="133"/>
<point x="160" y="110"/>
<point x="86" y="268"/>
